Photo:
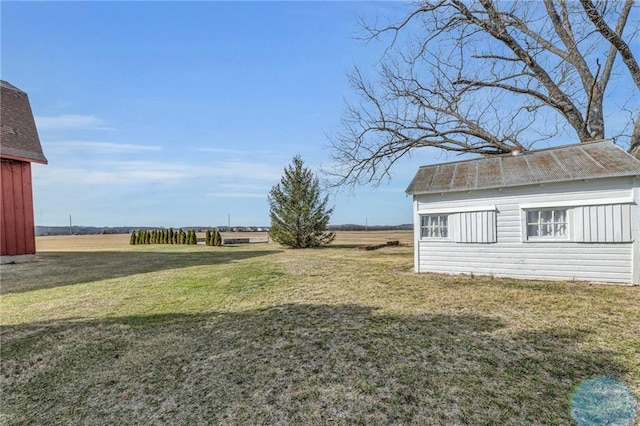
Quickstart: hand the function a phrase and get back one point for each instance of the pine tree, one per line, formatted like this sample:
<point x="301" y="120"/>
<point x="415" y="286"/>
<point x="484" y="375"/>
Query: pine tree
<point x="183" y="239"/>
<point x="299" y="214"/>
<point x="207" y="238"/>
<point x="132" y="240"/>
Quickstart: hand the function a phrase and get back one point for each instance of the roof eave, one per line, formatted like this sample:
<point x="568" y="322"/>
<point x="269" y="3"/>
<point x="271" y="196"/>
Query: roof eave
<point x="24" y="159"/>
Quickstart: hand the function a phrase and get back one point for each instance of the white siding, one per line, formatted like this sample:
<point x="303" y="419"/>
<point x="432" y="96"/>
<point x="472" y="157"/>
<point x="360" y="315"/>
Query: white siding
<point x="512" y="256"/>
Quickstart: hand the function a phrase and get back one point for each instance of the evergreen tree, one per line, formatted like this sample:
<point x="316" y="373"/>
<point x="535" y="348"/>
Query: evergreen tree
<point x="299" y="213"/>
<point x="183" y="237"/>
<point x="217" y="239"/>
<point x="132" y="240"/>
<point x="207" y="238"/>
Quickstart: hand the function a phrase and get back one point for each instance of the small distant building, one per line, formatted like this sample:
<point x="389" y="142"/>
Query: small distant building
<point x="565" y="213"/>
<point x="19" y="147"/>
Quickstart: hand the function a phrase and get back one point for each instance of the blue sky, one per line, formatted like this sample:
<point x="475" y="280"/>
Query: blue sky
<point x="182" y="113"/>
<point x="177" y="114"/>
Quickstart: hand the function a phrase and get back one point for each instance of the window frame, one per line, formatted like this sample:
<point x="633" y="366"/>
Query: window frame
<point x="552" y="224"/>
<point x="439" y="226"/>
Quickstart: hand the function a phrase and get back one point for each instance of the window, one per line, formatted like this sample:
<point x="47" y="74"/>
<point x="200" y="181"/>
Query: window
<point x="434" y="226"/>
<point x="550" y="224"/>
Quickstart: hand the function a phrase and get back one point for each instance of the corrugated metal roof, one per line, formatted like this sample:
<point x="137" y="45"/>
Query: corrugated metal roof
<point x="18" y="136"/>
<point x="592" y="160"/>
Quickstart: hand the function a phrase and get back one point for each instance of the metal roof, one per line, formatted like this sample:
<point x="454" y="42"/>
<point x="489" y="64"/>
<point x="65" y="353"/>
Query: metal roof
<point x="19" y="136"/>
<point x="594" y="160"/>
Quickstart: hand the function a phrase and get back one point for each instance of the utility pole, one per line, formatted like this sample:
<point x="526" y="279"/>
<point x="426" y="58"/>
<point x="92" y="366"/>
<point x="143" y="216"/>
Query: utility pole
<point x="69" y="224"/>
<point x="366" y="224"/>
<point x="229" y="221"/>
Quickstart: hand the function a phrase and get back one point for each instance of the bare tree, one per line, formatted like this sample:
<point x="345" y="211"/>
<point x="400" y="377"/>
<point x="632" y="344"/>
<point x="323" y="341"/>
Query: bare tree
<point x="489" y="77"/>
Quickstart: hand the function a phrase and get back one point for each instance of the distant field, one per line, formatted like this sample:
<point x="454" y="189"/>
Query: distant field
<point x="100" y="332"/>
<point x="121" y="241"/>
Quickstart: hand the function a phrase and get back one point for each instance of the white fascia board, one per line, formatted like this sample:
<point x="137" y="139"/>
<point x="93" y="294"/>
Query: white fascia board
<point x="579" y="203"/>
<point x="447" y="210"/>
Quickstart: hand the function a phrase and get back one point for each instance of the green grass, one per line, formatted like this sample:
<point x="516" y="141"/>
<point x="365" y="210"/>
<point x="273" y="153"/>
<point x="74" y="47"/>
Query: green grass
<point x="262" y="335"/>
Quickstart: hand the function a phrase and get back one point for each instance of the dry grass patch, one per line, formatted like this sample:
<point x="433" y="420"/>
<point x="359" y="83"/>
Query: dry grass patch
<point x="260" y="335"/>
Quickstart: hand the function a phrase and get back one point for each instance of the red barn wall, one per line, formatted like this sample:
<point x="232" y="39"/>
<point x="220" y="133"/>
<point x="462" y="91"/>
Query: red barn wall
<point x="17" y="224"/>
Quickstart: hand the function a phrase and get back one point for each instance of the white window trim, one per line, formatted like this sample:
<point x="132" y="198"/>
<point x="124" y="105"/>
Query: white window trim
<point x="568" y="237"/>
<point x="447" y="238"/>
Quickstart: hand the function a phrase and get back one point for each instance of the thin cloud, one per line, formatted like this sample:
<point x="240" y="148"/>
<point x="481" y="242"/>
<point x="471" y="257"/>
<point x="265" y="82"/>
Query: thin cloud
<point x="100" y="147"/>
<point x="135" y="172"/>
<point x="245" y="187"/>
<point x="236" y="195"/>
<point x="70" y="121"/>
<point x="225" y="151"/>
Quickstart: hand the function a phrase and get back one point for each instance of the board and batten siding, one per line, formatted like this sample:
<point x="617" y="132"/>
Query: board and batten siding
<point x="598" y="248"/>
<point x="17" y="222"/>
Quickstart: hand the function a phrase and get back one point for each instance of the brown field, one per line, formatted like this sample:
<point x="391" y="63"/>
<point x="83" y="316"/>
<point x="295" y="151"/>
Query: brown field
<point x="121" y="241"/>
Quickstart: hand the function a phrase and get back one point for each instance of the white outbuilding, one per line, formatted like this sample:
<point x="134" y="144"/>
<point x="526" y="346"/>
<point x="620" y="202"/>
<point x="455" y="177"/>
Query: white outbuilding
<point x="565" y="213"/>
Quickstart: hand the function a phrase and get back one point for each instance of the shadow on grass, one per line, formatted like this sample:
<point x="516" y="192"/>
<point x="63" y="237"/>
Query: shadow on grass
<point x="54" y="269"/>
<point x="293" y="364"/>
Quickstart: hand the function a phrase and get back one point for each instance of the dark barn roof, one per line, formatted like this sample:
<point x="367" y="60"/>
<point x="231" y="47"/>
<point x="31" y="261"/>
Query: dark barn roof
<point x="572" y="162"/>
<point x="19" y="137"/>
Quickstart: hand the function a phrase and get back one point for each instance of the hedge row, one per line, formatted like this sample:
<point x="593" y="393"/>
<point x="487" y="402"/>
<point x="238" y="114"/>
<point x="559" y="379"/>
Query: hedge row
<point x="163" y="236"/>
<point x="212" y="238"/>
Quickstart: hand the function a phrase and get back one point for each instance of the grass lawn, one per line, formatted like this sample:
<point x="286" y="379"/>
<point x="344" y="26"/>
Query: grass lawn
<point x="100" y="332"/>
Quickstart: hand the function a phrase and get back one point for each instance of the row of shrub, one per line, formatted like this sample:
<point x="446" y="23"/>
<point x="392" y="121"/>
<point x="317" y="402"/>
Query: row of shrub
<point x="163" y="236"/>
<point x="212" y="238"/>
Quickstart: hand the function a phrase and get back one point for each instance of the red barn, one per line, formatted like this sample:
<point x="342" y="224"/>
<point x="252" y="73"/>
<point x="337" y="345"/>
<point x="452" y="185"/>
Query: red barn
<point x="19" y="147"/>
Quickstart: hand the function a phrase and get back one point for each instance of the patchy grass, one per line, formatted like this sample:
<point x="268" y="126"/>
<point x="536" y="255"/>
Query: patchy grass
<point x="261" y="335"/>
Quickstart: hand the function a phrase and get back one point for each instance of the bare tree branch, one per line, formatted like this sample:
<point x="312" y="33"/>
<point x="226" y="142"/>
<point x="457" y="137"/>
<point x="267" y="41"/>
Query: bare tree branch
<point x="614" y="38"/>
<point x="485" y="77"/>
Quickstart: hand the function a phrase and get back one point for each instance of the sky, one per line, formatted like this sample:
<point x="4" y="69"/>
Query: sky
<point x="186" y="113"/>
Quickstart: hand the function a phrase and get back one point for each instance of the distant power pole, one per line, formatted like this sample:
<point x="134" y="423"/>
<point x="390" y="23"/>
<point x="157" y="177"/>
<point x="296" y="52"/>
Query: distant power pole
<point x="229" y="221"/>
<point x="366" y="224"/>
<point x="69" y="224"/>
